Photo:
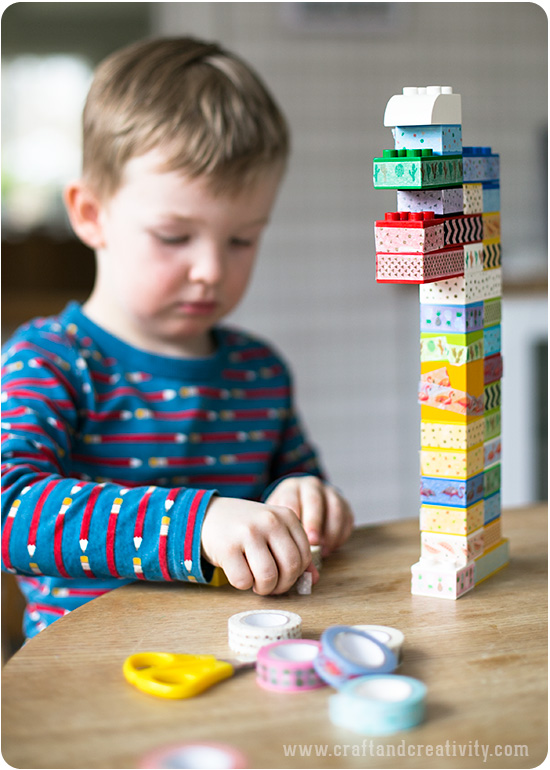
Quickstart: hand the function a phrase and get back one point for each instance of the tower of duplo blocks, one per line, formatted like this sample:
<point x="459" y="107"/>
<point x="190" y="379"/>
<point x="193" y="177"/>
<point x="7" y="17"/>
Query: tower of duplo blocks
<point x="445" y="236"/>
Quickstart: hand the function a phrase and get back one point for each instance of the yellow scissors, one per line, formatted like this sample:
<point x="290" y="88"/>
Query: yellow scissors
<point x="169" y="675"/>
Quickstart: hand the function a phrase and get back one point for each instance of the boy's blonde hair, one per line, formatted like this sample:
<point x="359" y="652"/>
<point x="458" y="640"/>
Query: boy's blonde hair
<point x="204" y="107"/>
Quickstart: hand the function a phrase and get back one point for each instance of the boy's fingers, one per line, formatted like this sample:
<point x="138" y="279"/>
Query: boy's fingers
<point x="286" y="496"/>
<point x="314" y="572"/>
<point x="313" y="503"/>
<point x="237" y="571"/>
<point x="263" y="567"/>
<point x="339" y="521"/>
<point x="292" y="557"/>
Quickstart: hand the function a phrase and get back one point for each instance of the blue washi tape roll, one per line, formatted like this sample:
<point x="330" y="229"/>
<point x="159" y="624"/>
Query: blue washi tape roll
<point x="379" y="705"/>
<point x="357" y="653"/>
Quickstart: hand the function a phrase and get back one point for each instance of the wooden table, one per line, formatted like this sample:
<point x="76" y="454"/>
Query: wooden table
<point x="483" y="659"/>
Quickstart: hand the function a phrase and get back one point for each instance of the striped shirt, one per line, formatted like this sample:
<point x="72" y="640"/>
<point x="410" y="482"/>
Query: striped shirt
<point x="110" y="455"/>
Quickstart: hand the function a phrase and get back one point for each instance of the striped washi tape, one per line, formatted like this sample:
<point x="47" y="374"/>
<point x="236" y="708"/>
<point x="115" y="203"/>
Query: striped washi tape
<point x="391" y="637"/>
<point x="287" y="666"/>
<point x="195" y="756"/>
<point x="249" y="631"/>
<point x="379" y="705"/>
<point x="347" y="652"/>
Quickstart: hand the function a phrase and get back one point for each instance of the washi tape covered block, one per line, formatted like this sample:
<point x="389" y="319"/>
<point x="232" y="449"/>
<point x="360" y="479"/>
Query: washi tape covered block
<point x="452" y="464"/>
<point x="491" y="196"/>
<point x="472" y="195"/>
<point x="470" y="288"/>
<point x="492" y="533"/>
<point x="439" y="317"/>
<point x="409" y="232"/>
<point x="452" y="435"/>
<point x="492" y="312"/>
<point x="492" y="369"/>
<point x="455" y="349"/>
<point x="443" y="581"/>
<point x="419" y="268"/>
<point x="441" y="201"/>
<point x="460" y="493"/>
<point x="448" y="520"/>
<point x="441" y="139"/>
<point x="492" y="561"/>
<point x="492" y="424"/>
<point x="480" y="164"/>
<point x="456" y="550"/>
<point x="416" y="170"/>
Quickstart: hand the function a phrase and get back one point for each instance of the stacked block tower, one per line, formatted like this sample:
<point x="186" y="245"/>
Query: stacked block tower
<point x="445" y="236"/>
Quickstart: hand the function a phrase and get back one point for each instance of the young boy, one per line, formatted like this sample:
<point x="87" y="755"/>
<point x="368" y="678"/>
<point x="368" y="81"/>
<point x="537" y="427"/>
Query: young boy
<point x="140" y="434"/>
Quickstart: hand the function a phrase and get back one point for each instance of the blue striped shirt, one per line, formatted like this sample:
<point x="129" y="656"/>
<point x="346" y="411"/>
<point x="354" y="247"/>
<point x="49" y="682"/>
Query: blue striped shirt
<point x="112" y="454"/>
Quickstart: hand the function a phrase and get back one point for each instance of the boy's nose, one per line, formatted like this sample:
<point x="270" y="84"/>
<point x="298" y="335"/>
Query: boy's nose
<point x="207" y="266"/>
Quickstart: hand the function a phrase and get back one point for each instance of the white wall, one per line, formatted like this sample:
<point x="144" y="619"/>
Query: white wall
<point x="353" y="343"/>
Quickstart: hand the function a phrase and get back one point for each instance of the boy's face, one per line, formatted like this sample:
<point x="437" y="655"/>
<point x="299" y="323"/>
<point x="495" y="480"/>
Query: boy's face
<point x="174" y="258"/>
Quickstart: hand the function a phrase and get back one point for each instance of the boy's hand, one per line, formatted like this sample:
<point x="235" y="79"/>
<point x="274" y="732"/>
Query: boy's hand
<point x="258" y="546"/>
<point x="325" y="515"/>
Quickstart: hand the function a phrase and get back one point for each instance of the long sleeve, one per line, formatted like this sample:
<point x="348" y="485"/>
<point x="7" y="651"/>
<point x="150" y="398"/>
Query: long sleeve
<point x="57" y="524"/>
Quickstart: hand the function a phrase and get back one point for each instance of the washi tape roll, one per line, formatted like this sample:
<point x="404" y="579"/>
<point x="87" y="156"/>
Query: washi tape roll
<point x="391" y="637"/>
<point x="249" y="631"/>
<point x="195" y="756"/>
<point x="347" y="652"/>
<point x="379" y="705"/>
<point x="288" y="666"/>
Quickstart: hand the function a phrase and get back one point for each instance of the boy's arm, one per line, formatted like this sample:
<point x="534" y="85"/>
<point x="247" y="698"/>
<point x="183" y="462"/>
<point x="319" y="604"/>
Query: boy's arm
<point x="56" y="524"/>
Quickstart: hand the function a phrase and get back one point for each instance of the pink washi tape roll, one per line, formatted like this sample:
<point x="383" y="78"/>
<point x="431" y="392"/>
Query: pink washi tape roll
<point x="287" y="666"/>
<point x="195" y="756"/>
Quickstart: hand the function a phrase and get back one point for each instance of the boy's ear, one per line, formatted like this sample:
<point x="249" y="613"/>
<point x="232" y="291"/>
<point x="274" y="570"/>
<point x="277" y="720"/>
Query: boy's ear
<point x="84" y="209"/>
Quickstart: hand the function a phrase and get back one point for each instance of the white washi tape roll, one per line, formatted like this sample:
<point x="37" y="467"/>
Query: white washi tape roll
<point x="391" y="637"/>
<point x="195" y="756"/>
<point x="379" y="705"/>
<point x="249" y="631"/>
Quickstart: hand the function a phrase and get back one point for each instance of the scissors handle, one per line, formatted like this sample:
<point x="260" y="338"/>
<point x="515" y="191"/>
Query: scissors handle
<point x="168" y="675"/>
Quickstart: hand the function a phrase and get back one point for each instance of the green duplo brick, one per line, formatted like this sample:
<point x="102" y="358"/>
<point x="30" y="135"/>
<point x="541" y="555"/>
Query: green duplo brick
<point x="491" y="480"/>
<point x="492" y="424"/>
<point x="416" y="170"/>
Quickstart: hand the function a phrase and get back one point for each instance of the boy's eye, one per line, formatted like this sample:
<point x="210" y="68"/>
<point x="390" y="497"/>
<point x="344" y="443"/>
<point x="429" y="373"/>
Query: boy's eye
<point x="174" y="240"/>
<point x="242" y="243"/>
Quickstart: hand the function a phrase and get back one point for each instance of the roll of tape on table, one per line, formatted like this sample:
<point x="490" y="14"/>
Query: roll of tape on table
<point x="356" y="652"/>
<point x="249" y="631"/>
<point x="195" y="756"/>
<point x="379" y="705"/>
<point x="287" y="666"/>
<point x="391" y="637"/>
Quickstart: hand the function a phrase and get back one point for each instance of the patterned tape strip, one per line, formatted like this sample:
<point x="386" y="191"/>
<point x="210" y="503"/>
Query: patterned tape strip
<point x="249" y="631"/>
<point x="195" y="755"/>
<point x="379" y="705"/>
<point x="287" y="666"/>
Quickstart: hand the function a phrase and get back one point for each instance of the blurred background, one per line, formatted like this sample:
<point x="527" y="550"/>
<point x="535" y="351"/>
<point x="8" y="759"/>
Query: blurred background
<point x="353" y="344"/>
